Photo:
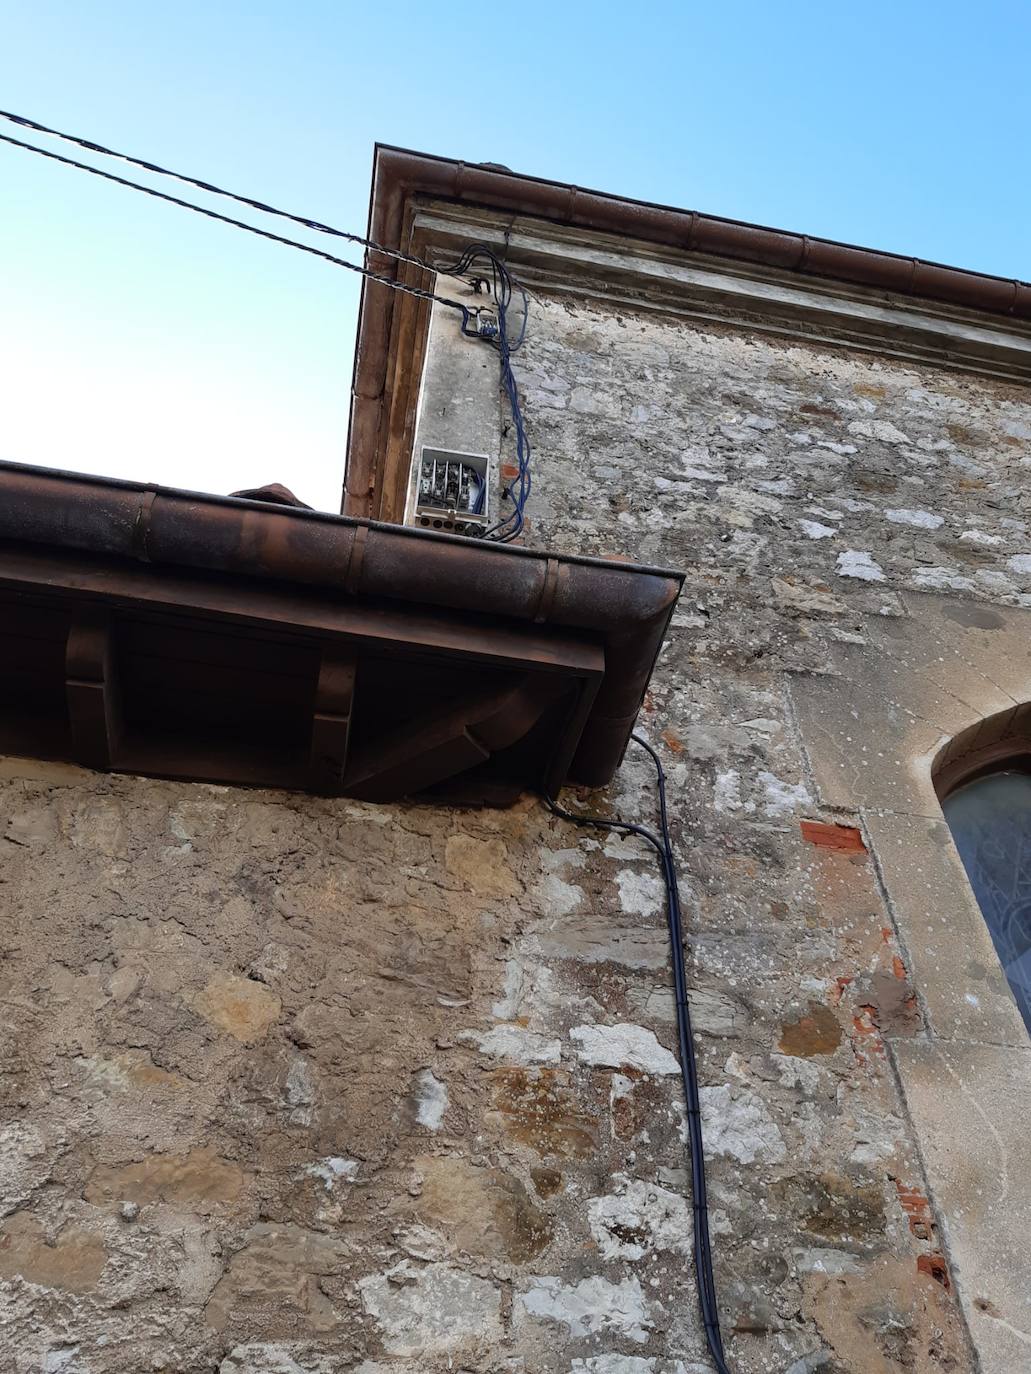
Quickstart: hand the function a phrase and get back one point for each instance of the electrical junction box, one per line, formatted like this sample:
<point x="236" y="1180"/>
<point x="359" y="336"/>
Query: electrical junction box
<point x="450" y="491"/>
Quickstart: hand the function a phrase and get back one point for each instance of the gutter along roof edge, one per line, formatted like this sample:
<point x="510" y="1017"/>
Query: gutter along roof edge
<point x="626" y="606"/>
<point x="399" y="174"/>
<point x="408" y="172"/>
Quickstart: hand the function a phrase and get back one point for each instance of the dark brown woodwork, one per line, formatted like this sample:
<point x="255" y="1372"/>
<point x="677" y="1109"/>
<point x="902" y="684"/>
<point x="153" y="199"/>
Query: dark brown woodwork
<point x="331" y="722"/>
<point x="251" y="642"/>
<point x="91" y="691"/>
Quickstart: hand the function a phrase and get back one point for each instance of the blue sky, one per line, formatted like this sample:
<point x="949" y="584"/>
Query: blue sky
<point x="137" y="340"/>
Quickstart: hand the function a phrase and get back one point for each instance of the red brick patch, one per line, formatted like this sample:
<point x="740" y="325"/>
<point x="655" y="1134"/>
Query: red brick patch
<point x="917" y="1209"/>
<point x="934" y="1267"/>
<point x="845" y="837"/>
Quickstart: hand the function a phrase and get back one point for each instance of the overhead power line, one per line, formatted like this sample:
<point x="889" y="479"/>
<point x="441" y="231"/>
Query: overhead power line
<point x="476" y="322"/>
<point x="367" y="272"/>
<point x="25" y="123"/>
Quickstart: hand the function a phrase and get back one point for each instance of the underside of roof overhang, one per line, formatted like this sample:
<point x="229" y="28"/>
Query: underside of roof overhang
<point x="155" y="631"/>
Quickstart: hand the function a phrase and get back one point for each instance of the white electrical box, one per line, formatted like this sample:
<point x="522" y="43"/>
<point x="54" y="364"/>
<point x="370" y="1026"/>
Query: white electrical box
<point x="450" y="491"/>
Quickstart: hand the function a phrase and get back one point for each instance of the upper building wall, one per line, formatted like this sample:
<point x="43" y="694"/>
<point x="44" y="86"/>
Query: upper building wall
<point x="732" y="450"/>
<point x="429" y="209"/>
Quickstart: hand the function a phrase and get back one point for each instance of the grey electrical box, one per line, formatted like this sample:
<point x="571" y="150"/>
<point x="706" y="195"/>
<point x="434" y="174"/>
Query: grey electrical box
<point x="451" y="491"/>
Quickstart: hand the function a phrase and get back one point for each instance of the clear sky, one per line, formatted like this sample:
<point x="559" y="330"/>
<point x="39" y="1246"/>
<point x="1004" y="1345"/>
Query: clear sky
<point x="137" y="340"/>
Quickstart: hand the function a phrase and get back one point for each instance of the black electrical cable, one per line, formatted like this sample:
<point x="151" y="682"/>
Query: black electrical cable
<point x="25" y="123"/>
<point x="688" y="1064"/>
<point x="468" y="316"/>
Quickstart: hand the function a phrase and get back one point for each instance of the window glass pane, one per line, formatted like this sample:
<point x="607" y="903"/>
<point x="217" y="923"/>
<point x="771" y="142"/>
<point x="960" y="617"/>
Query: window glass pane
<point x="990" y="820"/>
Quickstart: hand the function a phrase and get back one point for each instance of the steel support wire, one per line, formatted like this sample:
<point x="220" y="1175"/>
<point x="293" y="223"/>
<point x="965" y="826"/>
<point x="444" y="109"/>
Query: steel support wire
<point x="663" y="846"/>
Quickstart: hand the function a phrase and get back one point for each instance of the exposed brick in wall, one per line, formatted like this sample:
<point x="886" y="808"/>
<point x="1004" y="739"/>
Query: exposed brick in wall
<point x="846" y="837"/>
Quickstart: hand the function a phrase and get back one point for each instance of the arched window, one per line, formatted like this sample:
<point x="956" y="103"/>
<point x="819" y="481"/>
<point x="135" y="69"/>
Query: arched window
<point x="990" y="820"/>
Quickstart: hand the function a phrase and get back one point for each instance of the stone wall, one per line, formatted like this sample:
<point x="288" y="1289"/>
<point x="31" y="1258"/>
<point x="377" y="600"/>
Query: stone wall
<point x="307" y="1085"/>
<point x="310" y="1086"/>
<point x="838" y="514"/>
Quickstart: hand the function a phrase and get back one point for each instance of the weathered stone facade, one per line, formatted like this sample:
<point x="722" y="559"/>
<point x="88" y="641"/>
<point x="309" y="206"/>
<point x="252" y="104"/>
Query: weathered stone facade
<point x="296" y="1085"/>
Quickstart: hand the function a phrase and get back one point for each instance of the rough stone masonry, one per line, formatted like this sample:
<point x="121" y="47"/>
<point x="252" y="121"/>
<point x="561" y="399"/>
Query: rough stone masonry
<point x="301" y="1087"/>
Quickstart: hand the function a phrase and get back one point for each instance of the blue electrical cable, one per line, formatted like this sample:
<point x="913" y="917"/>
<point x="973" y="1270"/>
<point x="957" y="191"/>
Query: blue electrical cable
<point x="516" y="491"/>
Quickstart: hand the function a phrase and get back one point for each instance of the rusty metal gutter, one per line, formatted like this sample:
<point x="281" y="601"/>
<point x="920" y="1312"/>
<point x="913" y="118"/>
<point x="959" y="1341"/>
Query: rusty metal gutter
<point x="624" y="607"/>
<point x="399" y="175"/>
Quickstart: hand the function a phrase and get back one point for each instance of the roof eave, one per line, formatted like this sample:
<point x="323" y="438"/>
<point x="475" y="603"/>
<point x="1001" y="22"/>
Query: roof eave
<point x="399" y="175"/>
<point x="230" y="555"/>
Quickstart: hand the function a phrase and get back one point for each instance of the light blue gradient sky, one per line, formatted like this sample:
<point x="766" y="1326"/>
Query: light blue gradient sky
<point x="137" y="340"/>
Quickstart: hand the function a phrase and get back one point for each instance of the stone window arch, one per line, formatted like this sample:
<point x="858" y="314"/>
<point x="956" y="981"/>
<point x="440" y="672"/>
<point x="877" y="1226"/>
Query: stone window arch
<point x="983" y="781"/>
